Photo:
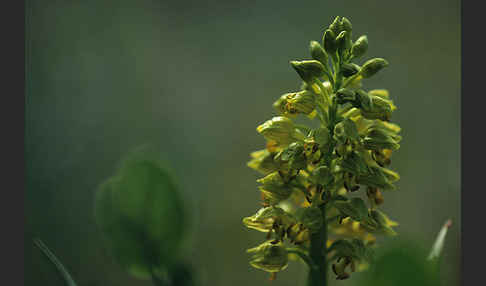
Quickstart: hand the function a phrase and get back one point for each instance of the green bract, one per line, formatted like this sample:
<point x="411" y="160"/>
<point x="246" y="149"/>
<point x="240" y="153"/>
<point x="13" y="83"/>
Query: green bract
<point x="310" y="172"/>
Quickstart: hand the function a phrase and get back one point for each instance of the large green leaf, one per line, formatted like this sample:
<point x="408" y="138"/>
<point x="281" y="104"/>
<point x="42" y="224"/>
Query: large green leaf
<point x="141" y="216"/>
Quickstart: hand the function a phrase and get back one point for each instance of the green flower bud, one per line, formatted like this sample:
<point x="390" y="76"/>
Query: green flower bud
<point x="300" y="102"/>
<point x="349" y="69"/>
<point x="371" y="67"/>
<point x="346" y="25"/>
<point x="308" y="70"/>
<point x="266" y="218"/>
<point x="346" y="130"/>
<point x="311" y="218"/>
<point x="379" y="138"/>
<point x="360" y="47"/>
<point x="318" y="53"/>
<point x="269" y="256"/>
<point x="374" y="107"/>
<point x="344" y="95"/>
<point x="274" y="188"/>
<point x="141" y="201"/>
<point x="330" y="44"/>
<point x="363" y="100"/>
<point x="263" y="162"/>
<point x="336" y="26"/>
<point x="279" y="129"/>
<point x="341" y="42"/>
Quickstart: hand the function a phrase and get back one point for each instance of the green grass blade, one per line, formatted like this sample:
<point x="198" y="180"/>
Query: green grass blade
<point x="439" y="241"/>
<point x="53" y="259"/>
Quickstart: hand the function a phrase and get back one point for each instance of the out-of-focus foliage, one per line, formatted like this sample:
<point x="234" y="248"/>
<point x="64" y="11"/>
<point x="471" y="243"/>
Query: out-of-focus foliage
<point x="142" y="216"/>
<point x="402" y="264"/>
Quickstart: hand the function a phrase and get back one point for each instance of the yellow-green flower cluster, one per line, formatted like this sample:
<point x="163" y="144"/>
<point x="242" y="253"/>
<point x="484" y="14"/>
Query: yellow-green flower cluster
<point x="313" y="176"/>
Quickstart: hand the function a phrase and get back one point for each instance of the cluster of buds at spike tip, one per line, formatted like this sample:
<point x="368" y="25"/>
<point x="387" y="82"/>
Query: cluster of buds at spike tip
<point x="309" y="172"/>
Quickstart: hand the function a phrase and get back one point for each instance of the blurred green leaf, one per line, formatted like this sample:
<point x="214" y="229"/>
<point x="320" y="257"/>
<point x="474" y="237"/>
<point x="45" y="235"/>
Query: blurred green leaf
<point x="402" y="264"/>
<point x="142" y="216"/>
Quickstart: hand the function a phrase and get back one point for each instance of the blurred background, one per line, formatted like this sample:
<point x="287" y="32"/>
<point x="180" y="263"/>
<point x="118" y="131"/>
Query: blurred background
<point x="195" y="78"/>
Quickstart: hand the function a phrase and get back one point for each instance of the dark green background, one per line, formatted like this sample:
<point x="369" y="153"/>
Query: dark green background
<point x="194" y="79"/>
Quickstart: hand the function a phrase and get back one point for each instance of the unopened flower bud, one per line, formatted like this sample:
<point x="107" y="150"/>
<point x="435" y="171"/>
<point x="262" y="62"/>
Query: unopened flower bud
<point x="318" y="53"/>
<point x="360" y="47"/>
<point x="329" y="41"/>
<point x="371" y="67"/>
<point x="269" y="256"/>
<point x="341" y="42"/>
<point x="346" y="25"/>
<point x="380" y="138"/>
<point x="308" y="70"/>
<point x="374" y="107"/>
<point x="300" y="102"/>
<point x="344" y="95"/>
<point x="349" y="69"/>
<point x="280" y="129"/>
<point x="336" y="26"/>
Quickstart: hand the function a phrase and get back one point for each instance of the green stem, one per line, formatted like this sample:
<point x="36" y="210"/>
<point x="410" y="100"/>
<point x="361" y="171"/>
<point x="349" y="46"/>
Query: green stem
<point x="318" y="274"/>
<point x="338" y="75"/>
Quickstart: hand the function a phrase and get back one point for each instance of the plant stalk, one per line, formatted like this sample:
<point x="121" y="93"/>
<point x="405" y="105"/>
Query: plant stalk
<point x="318" y="275"/>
